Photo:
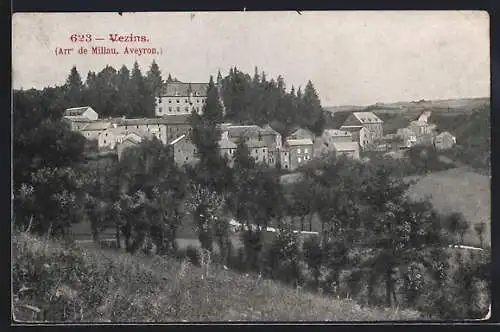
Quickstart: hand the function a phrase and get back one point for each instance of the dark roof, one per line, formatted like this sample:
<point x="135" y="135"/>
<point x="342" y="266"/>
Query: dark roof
<point x="166" y="120"/>
<point x="172" y="89"/>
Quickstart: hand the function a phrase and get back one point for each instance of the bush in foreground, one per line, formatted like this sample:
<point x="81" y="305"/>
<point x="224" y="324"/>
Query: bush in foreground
<point x="69" y="283"/>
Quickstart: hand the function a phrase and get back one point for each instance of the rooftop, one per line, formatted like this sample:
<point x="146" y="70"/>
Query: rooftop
<point x="367" y="117"/>
<point x="296" y="142"/>
<point x="76" y="111"/>
<point x="172" y="89"/>
<point x="337" y="132"/>
<point x="345" y="146"/>
<point x="97" y="125"/>
<point x="166" y="120"/>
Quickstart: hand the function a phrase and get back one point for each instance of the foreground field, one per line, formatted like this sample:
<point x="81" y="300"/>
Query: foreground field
<point x="462" y="191"/>
<point x="77" y="284"/>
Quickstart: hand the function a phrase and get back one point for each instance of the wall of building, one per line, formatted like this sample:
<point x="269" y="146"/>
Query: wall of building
<point x="179" y="105"/>
<point x="184" y="153"/>
<point x="300" y="155"/>
<point x="90" y="114"/>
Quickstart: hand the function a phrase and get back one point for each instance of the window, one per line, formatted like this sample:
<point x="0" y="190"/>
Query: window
<point x="286" y="166"/>
<point x="299" y="160"/>
<point x="197" y="100"/>
<point x="177" y="101"/>
<point x="185" y="100"/>
<point x="137" y="126"/>
<point x="170" y="101"/>
<point x="104" y="141"/>
<point x="106" y="134"/>
<point x="159" y="101"/>
<point x="264" y="150"/>
<point x="170" y="109"/>
<point x="186" y="158"/>
<point x="160" y="109"/>
<point x="298" y="150"/>
<point x="305" y="150"/>
<point x="178" y="150"/>
<point x="178" y="109"/>
<point x="187" y="109"/>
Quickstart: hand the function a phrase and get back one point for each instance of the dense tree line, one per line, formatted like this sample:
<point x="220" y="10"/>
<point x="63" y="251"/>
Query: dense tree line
<point x="261" y="101"/>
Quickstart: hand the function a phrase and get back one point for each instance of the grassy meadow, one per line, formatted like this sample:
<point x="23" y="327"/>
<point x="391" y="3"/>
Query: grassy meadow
<point x="72" y="283"/>
<point x="460" y="190"/>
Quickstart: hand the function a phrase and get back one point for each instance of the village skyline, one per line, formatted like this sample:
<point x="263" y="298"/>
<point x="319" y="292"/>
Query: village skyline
<point x="385" y="62"/>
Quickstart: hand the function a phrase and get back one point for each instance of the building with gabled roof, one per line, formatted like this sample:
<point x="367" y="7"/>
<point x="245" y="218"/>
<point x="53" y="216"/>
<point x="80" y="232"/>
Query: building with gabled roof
<point x="348" y="149"/>
<point x="368" y="120"/>
<point x="81" y="112"/>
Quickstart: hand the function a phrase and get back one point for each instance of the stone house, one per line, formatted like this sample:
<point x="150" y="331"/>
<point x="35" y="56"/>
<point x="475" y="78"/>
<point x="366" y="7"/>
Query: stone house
<point x="92" y="130"/>
<point x="183" y="151"/>
<point x="296" y="152"/>
<point x="444" y="140"/>
<point x="109" y="137"/>
<point x="348" y="149"/>
<point x="258" y="150"/>
<point x="264" y="138"/>
<point x="372" y="123"/>
<point x="359" y="135"/>
<point x="128" y="141"/>
<point x="227" y="149"/>
<point x="152" y="126"/>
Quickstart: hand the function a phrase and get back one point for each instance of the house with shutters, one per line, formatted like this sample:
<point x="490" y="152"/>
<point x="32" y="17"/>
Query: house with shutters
<point x="373" y="127"/>
<point x="296" y="152"/>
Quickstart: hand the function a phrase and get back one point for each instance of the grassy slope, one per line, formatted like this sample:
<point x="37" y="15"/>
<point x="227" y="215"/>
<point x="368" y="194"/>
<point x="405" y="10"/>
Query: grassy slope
<point x="459" y="190"/>
<point x="105" y="285"/>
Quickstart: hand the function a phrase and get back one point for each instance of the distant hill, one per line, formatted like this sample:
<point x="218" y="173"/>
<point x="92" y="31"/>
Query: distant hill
<point x="442" y="106"/>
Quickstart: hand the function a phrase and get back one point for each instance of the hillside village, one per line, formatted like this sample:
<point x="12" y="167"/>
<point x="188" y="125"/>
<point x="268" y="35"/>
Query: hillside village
<point x="361" y="131"/>
<point x="272" y="197"/>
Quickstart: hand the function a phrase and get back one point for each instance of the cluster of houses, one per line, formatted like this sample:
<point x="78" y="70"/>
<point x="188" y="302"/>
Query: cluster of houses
<point x="177" y="100"/>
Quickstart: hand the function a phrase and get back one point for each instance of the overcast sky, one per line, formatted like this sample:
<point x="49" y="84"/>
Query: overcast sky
<point x="352" y="58"/>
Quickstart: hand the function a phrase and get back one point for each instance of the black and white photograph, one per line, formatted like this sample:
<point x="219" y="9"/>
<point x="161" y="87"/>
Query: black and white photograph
<point x="251" y="166"/>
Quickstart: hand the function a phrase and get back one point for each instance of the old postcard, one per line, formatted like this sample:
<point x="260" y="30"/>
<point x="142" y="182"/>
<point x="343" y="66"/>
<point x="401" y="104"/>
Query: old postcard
<point x="251" y="166"/>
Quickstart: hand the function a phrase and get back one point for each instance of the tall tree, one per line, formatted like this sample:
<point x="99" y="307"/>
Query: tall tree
<point x="154" y="80"/>
<point x="313" y="109"/>
<point x="211" y="171"/>
<point x="74" y="88"/>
